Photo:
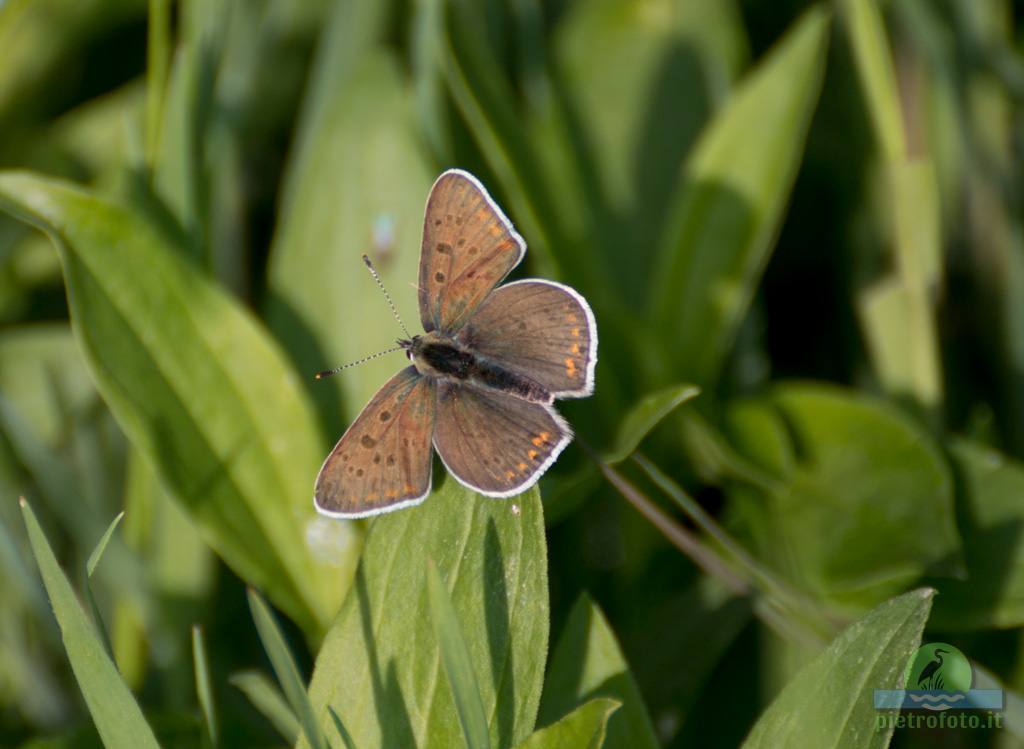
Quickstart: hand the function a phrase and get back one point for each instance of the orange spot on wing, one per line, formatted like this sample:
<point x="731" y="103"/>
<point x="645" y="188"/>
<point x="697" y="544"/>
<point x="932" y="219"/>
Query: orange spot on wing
<point x="575" y="332"/>
<point x="391" y="494"/>
<point x="575" y="348"/>
<point x="570" y="367"/>
<point x="496" y="231"/>
<point x="408" y="489"/>
<point x="509" y="475"/>
<point x="570" y="318"/>
<point x="373" y="497"/>
<point x="522" y="466"/>
<point x="532" y="453"/>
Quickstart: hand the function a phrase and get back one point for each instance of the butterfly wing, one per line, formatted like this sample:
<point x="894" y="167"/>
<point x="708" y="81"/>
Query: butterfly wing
<point x="468" y="247"/>
<point x="383" y="461"/>
<point x="540" y="329"/>
<point x="495" y="443"/>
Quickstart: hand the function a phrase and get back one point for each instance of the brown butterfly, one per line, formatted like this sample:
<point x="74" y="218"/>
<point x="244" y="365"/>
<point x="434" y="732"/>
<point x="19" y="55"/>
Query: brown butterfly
<point x="485" y="372"/>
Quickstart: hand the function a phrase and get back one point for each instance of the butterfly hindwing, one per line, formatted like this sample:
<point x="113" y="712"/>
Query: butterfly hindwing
<point x="539" y="329"/>
<point x="468" y="248"/>
<point x="383" y="461"/>
<point x="493" y="442"/>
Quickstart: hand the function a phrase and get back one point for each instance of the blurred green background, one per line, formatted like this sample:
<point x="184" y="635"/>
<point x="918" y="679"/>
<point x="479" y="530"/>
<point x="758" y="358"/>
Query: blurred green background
<point x="810" y="211"/>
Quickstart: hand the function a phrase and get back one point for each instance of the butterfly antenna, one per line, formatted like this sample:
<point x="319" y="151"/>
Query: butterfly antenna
<point x="394" y="310"/>
<point x="329" y="372"/>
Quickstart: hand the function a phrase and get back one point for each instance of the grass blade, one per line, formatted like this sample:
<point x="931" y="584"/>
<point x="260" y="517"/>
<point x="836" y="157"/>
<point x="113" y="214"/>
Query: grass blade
<point x="204" y="688"/>
<point x="268" y="699"/>
<point x="457" y="663"/>
<point x="90" y="567"/>
<point x="284" y="667"/>
<point x="114" y="710"/>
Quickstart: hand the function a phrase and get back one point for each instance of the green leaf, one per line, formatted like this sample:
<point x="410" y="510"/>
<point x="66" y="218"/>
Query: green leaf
<point x="644" y="416"/>
<point x="830" y="701"/>
<point x="587" y="663"/>
<point x="267" y="698"/>
<point x="641" y="81"/>
<point x="991" y="516"/>
<point x="584" y="728"/>
<point x="284" y="667"/>
<point x="199" y="388"/>
<point x="94" y="557"/>
<point x="90" y="567"/>
<point x="113" y="708"/>
<point x="458" y="665"/>
<point x="730" y="202"/>
<point x="868" y="507"/>
<point x="874" y="63"/>
<point x="346" y="738"/>
<point x="324" y="304"/>
<point x="380" y="666"/>
<point x="204" y="687"/>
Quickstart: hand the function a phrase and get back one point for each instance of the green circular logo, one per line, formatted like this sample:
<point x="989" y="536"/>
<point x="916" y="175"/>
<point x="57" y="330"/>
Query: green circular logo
<point x="939" y="667"/>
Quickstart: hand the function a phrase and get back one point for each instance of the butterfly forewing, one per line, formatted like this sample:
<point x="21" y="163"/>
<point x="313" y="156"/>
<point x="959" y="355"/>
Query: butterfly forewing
<point x="383" y="461"/>
<point x="542" y="330"/>
<point x="468" y="247"/>
<point x="495" y="443"/>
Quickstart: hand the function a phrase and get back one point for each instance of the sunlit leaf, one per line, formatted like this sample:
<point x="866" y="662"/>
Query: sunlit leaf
<point x="380" y="666"/>
<point x="113" y="708"/>
<point x="837" y="687"/>
<point x="198" y="387"/>
<point x="731" y="200"/>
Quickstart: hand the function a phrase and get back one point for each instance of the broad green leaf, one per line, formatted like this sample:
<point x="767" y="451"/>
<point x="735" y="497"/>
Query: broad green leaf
<point x="991" y="516"/>
<point x="868" y="507"/>
<point x="113" y="708"/>
<point x="267" y="698"/>
<point x="380" y="667"/>
<point x="1013" y="708"/>
<point x="730" y="201"/>
<point x="284" y="668"/>
<point x="199" y="389"/>
<point x="645" y="416"/>
<point x="204" y="687"/>
<point x="830" y="701"/>
<point x="458" y="665"/>
<point x="583" y="728"/>
<point x="359" y="185"/>
<point x="587" y="663"/>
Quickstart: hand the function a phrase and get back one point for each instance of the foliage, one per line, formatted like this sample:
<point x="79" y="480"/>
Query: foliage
<point x="798" y="226"/>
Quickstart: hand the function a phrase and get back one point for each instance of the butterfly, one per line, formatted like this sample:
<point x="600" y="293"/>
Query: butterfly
<point x="484" y="374"/>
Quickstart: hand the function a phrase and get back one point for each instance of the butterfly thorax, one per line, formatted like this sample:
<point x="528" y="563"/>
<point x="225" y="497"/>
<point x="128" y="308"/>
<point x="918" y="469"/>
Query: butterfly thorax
<point x="442" y="357"/>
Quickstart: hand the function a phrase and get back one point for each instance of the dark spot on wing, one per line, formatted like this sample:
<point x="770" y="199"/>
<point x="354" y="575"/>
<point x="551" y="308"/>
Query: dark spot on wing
<point x="385" y="415"/>
<point x="367" y="441"/>
<point x="439" y="277"/>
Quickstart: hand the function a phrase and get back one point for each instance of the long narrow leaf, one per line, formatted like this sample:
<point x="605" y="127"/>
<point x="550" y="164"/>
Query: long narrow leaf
<point x="458" y="664"/>
<point x="113" y="708"/>
<point x="204" y="688"/>
<point x="285" y="669"/>
<point x="731" y="199"/>
<point x="268" y="699"/>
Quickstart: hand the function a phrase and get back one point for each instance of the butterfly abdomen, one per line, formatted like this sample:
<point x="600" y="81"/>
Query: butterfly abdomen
<point x="445" y="360"/>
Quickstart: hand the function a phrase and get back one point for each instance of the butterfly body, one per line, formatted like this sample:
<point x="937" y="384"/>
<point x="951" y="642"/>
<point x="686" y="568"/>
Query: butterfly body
<point x="442" y="357"/>
<point x="484" y="375"/>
